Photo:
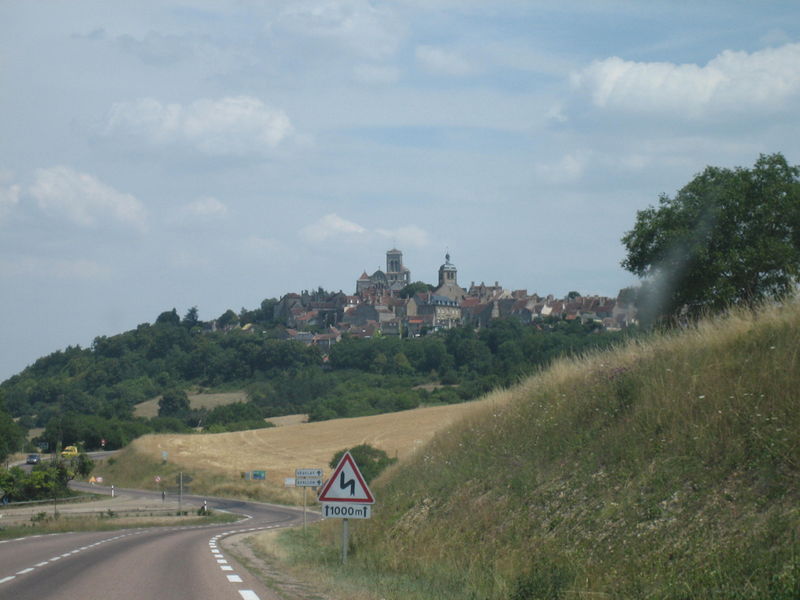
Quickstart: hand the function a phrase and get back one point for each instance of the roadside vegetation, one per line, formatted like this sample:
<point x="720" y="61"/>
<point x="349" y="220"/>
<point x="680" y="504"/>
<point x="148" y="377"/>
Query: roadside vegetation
<point x="669" y="468"/>
<point x="88" y="396"/>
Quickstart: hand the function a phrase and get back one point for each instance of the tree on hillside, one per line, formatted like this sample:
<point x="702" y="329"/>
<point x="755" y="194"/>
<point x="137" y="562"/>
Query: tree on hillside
<point x="169" y="317"/>
<point x="415" y="288"/>
<point x="371" y="461"/>
<point x="173" y="403"/>
<point x="730" y="236"/>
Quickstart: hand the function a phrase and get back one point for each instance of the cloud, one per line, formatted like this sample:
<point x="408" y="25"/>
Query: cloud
<point x="205" y="208"/>
<point x="84" y="200"/>
<point x="9" y="195"/>
<point x="376" y="75"/>
<point x="410" y="235"/>
<point x="568" y="169"/>
<point x="358" y="25"/>
<point x="437" y="60"/>
<point x="334" y="227"/>
<point x="232" y="126"/>
<point x="329" y="227"/>
<point x="731" y="82"/>
<point x="59" y="268"/>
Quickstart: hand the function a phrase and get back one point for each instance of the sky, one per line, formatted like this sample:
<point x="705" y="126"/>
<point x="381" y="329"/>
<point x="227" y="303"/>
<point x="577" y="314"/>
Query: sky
<point x="171" y="154"/>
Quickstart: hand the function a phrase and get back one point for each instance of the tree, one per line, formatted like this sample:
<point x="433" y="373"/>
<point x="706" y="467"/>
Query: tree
<point x="191" y="319"/>
<point x="371" y="461"/>
<point x="174" y="403"/>
<point x="169" y="317"/>
<point x="415" y="288"/>
<point x="730" y="236"/>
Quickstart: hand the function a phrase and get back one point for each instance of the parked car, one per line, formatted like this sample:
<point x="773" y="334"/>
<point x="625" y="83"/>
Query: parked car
<point x="33" y="459"/>
<point x="69" y="451"/>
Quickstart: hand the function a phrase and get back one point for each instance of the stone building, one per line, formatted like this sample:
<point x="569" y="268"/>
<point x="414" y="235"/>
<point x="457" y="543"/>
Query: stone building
<point x="391" y="281"/>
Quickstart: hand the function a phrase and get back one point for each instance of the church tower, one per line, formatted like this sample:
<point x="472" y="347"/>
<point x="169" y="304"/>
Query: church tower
<point x="398" y="275"/>
<point x="448" y="281"/>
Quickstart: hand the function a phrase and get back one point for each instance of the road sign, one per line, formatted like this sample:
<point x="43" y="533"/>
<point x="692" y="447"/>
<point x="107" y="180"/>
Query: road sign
<point x="259" y="475"/>
<point x="308" y="481"/>
<point x="158" y="479"/>
<point x="308" y="473"/>
<point x="346" y="510"/>
<point x="346" y="484"/>
<point x="288" y="482"/>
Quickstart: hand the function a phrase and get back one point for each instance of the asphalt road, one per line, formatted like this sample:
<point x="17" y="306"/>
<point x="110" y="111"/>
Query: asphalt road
<point x="175" y="563"/>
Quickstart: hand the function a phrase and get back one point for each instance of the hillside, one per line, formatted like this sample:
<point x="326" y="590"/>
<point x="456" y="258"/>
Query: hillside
<point x="666" y="469"/>
<point x="215" y="461"/>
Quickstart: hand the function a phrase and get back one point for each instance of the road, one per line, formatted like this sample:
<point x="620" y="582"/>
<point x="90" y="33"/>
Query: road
<point x="179" y="563"/>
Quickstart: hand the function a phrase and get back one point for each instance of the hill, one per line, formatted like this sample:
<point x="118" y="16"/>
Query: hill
<point x="665" y="469"/>
<point x="215" y="461"/>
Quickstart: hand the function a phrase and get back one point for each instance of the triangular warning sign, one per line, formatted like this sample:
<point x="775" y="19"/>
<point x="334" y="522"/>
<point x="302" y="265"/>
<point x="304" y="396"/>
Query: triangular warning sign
<point x="346" y="484"/>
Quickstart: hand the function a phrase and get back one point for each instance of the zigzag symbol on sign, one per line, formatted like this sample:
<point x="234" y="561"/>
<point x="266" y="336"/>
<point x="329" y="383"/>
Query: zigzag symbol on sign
<point x="346" y="484"/>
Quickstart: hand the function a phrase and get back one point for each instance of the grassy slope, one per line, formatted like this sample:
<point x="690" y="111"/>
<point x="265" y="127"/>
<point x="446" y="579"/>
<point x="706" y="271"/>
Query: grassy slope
<point x="216" y="460"/>
<point x="667" y="469"/>
<point x="149" y="408"/>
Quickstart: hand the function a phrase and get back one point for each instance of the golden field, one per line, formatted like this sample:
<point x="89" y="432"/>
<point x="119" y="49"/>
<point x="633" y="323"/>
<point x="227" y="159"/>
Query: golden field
<point x="295" y="444"/>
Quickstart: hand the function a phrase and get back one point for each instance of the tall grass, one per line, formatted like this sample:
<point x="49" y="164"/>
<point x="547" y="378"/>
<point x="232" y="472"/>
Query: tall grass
<point x="133" y="469"/>
<point x="668" y="468"/>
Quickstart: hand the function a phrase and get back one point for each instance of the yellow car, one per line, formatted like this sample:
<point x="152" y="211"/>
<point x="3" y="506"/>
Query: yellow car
<point x="69" y="451"/>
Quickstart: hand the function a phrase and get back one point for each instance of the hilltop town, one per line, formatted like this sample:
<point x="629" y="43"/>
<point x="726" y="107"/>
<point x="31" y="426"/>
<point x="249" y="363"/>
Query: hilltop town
<point x="386" y="303"/>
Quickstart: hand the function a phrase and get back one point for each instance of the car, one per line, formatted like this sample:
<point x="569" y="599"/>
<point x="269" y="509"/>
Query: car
<point x="69" y="451"/>
<point x="33" y="459"/>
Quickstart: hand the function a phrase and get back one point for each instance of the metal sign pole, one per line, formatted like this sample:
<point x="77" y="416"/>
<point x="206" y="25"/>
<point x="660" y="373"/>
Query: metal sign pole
<point x="180" y="493"/>
<point x="345" y="535"/>
<point x="305" y="489"/>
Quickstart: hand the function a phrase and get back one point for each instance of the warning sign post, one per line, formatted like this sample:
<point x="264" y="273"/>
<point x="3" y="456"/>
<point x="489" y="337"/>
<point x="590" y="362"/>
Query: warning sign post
<point x="346" y="496"/>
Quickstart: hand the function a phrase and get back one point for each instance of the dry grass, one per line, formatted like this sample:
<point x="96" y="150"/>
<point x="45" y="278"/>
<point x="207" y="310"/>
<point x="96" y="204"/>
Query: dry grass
<point x="149" y="408"/>
<point x="281" y="450"/>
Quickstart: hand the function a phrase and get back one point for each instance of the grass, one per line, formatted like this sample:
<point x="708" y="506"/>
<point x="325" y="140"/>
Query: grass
<point x="668" y="468"/>
<point x="215" y="461"/>
<point x="45" y="523"/>
<point x="149" y="408"/>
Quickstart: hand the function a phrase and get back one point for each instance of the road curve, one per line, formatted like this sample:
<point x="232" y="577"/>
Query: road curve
<point x="179" y="563"/>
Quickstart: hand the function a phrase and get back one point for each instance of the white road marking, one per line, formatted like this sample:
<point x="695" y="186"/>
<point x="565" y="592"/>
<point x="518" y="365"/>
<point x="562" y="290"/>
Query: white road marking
<point x="248" y="595"/>
<point x="226" y="568"/>
<point x="9" y="578"/>
<point x="222" y="561"/>
<point x="28" y="570"/>
<point x="41" y="564"/>
<point x="234" y="579"/>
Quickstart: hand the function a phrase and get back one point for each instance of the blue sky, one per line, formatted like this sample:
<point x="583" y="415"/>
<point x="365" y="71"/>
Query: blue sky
<point x="212" y="154"/>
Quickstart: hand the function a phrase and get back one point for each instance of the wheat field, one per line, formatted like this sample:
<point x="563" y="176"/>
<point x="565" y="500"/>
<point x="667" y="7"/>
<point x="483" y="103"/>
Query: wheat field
<point x="295" y="444"/>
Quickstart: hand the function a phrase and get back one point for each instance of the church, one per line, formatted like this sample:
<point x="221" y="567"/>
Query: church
<point x="391" y="281"/>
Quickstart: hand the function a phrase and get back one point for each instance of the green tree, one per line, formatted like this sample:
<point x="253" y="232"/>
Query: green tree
<point x="730" y="236"/>
<point x="169" y="317"/>
<point x="415" y="288"/>
<point x="173" y="403"/>
<point x="371" y="461"/>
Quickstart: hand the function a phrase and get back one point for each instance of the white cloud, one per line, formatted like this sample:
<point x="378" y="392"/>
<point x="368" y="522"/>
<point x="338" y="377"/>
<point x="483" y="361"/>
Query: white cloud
<point x="84" y="200"/>
<point x="355" y="24"/>
<point x="232" y="126"/>
<point x="442" y="61"/>
<point x="331" y="226"/>
<point x="59" y="268"/>
<point x="410" y="235"/>
<point x="731" y="82"/>
<point x="9" y="197"/>
<point x="568" y="169"/>
<point x="376" y="75"/>
<point x="207" y="207"/>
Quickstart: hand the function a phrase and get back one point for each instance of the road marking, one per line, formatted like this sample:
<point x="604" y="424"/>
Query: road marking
<point x="234" y="579"/>
<point x="28" y="570"/>
<point x="41" y="564"/>
<point x="248" y="595"/>
<point x="9" y="578"/>
<point x="222" y="561"/>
